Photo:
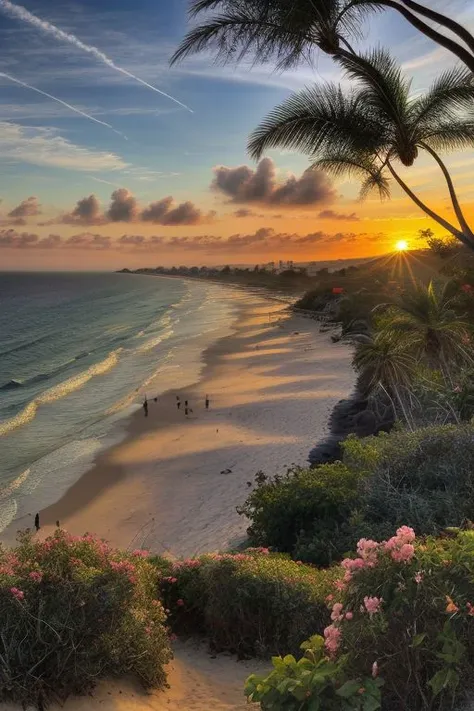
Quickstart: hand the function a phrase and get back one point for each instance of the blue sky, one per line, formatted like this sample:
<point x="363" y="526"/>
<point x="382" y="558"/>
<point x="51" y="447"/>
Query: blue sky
<point x="58" y="156"/>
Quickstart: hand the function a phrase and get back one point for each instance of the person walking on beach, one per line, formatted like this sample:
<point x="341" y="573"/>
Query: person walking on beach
<point x="207" y="402"/>
<point x="145" y="406"/>
<point x="186" y="411"/>
<point x="37" y="522"/>
<point x="185" y="403"/>
<point x="178" y="402"/>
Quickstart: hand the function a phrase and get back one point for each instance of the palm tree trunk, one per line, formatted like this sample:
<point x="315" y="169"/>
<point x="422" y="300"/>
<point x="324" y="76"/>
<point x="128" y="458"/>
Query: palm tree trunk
<point x="456" y="206"/>
<point x="434" y="216"/>
<point x="446" y="42"/>
<point x="440" y="19"/>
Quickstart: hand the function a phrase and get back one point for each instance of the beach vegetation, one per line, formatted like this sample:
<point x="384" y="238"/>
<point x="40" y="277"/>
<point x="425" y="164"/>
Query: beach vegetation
<point x="400" y="637"/>
<point x="284" y="508"/>
<point x="252" y="603"/>
<point x="74" y="611"/>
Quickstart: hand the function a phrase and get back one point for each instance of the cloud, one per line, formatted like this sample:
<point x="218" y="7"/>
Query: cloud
<point x="247" y="212"/>
<point x="123" y="206"/>
<point x="331" y="215"/>
<point x="244" y="184"/>
<point x="261" y="241"/>
<point x="44" y="147"/>
<point x="30" y="207"/>
<point x="86" y="212"/>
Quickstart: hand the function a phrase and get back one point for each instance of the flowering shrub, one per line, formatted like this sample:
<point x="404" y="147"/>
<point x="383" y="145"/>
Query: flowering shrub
<point x="402" y="612"/>
<point x="251" y="603"/>
<point x="73" y="611"/>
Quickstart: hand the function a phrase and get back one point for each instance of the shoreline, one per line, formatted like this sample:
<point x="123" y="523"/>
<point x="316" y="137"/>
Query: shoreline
<point x="173" y="484"/>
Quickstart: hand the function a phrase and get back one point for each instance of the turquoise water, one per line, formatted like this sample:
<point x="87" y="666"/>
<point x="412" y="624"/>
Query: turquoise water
<point x="80" y="351"/>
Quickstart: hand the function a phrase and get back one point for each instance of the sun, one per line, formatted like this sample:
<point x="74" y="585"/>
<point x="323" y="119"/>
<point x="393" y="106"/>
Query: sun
<point x="401" y="245"/>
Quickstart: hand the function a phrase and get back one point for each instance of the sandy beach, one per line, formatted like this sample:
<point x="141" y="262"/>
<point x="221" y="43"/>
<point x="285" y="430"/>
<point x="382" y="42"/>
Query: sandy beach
<point x="173" y="483"/>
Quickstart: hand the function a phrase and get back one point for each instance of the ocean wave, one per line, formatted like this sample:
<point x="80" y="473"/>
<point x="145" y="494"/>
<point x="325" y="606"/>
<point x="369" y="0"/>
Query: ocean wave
<point x="155" y="341"/>
<point x="12" y="385"/>
<point x="22" y="346"/>
<point x="59" y="391"/>
<point x="14" y="485"/>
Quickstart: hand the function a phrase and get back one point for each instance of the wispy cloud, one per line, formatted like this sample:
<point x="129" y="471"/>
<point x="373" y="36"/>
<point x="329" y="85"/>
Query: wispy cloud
<point x="45" y="147"/>
<point x="21" y="13"/>
<point x="60" y="101"/>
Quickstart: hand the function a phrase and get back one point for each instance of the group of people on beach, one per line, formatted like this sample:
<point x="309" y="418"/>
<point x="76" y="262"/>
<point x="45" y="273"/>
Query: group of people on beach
<point x="187" y="408"/>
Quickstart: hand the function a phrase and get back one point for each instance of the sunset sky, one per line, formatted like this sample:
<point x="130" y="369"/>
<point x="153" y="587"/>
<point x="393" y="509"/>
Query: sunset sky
<point x="184" y="189"/>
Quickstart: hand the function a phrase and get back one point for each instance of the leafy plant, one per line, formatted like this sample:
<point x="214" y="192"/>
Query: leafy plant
<point x="74" y="611"/>
<point x="313" y="683"/>
<point x="284" y="508"/>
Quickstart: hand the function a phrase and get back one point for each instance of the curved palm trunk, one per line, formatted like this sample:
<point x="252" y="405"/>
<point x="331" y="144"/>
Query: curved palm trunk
<point x="456" y="206"/>
<point x="434" y="216"/>
<point x="440" y="19"/>
<point x="446" y="42"/>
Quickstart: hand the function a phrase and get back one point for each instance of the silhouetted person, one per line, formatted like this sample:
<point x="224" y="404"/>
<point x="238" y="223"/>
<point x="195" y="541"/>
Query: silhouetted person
<point x="207" y="402"/>
<point x="57" y="524"/>
<point x="178" y="402"/>
<point x="186" y="411"/>
<point x="155" y="399"/>
<point x="145" y="407"/>
<point x="37" y="522"/>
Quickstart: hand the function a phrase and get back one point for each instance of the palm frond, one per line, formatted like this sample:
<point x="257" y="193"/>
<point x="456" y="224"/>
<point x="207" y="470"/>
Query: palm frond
<point x="450" y="136"/>
<point x="451" y="93"/>
<point x="353" y="14"/>
<point x="375" y="181"/>
<point x="318" y="117"/>
<point x="383" y="86"/>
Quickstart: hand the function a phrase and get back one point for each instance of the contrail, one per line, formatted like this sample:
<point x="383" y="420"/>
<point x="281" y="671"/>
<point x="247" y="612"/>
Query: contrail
<point x="60" y="101"/>
<point x="21" y="13"/>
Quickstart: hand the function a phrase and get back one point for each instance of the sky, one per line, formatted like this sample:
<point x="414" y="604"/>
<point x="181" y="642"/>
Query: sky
<point x="110" y="158"/>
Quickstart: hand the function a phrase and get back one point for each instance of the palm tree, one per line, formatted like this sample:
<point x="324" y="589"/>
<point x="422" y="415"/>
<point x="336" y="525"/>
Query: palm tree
<point x="365" y="131"/>
<point x="289" y="31"/>
<point x="384" y="362"/>
<point x="437" y="335"/>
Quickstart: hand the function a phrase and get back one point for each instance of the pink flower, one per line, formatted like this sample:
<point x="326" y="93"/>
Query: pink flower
<point x="406" y="534"/>
<point x="36" y="576"/>
<point x="148" y="630"/>
<point x="418" y="577"/>
<point x="329" y="598"/>
<point x="349" y="615"/>
<point x="367" y="550"/>
<point x="19" y="594"/>
<point x="340" y="585"/>
<point x="372" y="604"/>
<point x="336" y="612"/>
<point x="180" y="602"/>
<point x="375" y="669"/>
<point x="353" y="564"/>
<point x="332" y="636"/>
<point x="139" y="553"/>
<point x="403" y="554"/>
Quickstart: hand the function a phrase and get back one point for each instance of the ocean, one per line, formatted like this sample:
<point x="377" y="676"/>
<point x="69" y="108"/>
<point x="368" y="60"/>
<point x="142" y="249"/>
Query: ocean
<point x="78" y="353"/>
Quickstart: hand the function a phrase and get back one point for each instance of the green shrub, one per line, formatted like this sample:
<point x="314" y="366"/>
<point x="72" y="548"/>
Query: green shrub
<point x="402" y="616"/>
<point x="251" y="603"/>
<point x="424" y="479"/>
<point x="312" y="683"/>
<point x="74" y="611"/>
<point x="304" y="501"/>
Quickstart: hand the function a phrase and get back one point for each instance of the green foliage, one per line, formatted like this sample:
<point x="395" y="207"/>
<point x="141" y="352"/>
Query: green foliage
<point x="287" y="507"/>
<point x="74" y="611"/>
<point x="424" y="479"/>
<point x="313" y="683"/>
<point x="251" y="603"/>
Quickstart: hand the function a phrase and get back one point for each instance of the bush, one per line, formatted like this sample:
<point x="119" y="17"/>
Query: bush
<point x="252" y="603"/>
<point x="314" y="502"/>
<point x="423" y="478"/>
<point x="402" y="616"/>
<point x="74" y="611"/>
